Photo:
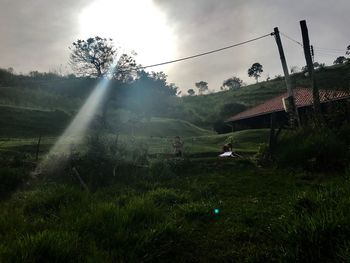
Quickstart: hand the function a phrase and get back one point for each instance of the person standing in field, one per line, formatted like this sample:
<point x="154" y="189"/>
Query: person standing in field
<point x="178" y="146"/>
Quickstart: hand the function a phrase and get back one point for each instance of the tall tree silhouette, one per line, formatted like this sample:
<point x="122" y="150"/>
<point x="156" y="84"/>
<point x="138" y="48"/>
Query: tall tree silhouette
<point x="255" y="71"/>
<point x="93" y="57"/>
<point x="202" y="86"/>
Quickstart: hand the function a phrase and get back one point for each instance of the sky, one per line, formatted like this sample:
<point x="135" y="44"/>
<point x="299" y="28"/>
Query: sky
<point x="36" y="34"/>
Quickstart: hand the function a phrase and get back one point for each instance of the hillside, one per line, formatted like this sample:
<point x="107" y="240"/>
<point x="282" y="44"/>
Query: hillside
<point x="27" y="122"/>
<point x="161" y="127"/>
<point x="68" y="94"/>
<point x="204" y="110"/>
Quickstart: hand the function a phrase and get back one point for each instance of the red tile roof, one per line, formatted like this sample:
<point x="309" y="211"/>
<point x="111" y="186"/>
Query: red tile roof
<point x="302" y="96"/>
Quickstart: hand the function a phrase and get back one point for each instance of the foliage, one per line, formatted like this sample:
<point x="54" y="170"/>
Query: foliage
<point x="263" y="156"/>
<point x="231" y="109"/>
<point x="191" y="92"/>
<point x="162" y="219"/>
<point x="340" y="60"/>
<point x="46" y="246"/>
<point x="202" y="86"/>
<point x="319" y="230"/>
<point x="233" y="83"/>
<point x="294" y="69"/>
<point x="149" y="94"/>
<point x="11" y="179"/>
<point x="167" y="197"/>
<point x="47" y="200"/>
<point x="6" y="77"/>
<point x="319" y="149"/>
<point x="255" y="71"/>
<point x="26" y="122"/>
<point x="94" y="57"/>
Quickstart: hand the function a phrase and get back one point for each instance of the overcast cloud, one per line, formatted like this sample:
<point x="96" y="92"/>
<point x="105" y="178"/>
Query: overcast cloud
<point x="35" y="35"/>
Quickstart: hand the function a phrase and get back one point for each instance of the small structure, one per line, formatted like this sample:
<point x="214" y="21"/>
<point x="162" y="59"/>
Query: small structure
<point x="260" y="116"/>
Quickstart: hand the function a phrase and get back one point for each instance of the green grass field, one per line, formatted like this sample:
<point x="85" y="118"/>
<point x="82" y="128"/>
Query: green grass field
<point x="125" y="198"/>
<point x="21" y="128"/>
<point x="208" y="211"/>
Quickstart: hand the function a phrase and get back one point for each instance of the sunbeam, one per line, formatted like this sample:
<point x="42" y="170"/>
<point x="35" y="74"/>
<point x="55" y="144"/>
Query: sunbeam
<point x="78" y="127"/>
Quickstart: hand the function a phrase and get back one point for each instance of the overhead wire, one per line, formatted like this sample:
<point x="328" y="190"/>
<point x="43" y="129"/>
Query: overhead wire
<point x="205" y="53"/>
<point x="319" y="49"/>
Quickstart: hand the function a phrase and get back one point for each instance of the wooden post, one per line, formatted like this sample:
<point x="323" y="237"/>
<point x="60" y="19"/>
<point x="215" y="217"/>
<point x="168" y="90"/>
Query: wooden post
<point x="293" y="114"/>
<point x="310" y="67"/>
<point x="283" y="60"/>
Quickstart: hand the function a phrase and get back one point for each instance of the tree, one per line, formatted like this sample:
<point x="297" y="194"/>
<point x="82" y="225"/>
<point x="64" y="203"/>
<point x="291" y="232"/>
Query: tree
<point x="347" y="50"/>
<point x="340" y="60"/>
<point x="294" y="69"/>
<point x="11" y="70"/>
<point x="191" y="92"/>
<point x="233" y="83"/>
<point x="94" y="57"/>
<point x="255" y="71"/>
<point x="319" y="66"/>
<point x="202" y="86"/>
<point x="149" y="94"/>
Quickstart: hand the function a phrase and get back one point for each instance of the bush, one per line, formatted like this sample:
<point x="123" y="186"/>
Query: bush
<point x="10" y="180"/>
<point x="320" y="150"/>
<point x="104" y="162"/>
<point x="167" y="197"/>
<point x="319" y="229"/>
<point x="263" y="156"/>
<point x="161" y="169"/>
<point x="120" y="229"/>
<point x="47" y="199"/>
<point x="46" y="246"/>
<point x="197" y="211"/>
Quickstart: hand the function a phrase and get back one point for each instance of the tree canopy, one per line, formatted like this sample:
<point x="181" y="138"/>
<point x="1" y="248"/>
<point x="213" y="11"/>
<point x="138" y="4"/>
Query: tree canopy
<point x="93" y="57"/>
<point x="191" y="92"/>
<point x="255" y="71"/>
<point x="202" y="86"/>
<point x="233" y="83"/>
<point x="340" y="60"/>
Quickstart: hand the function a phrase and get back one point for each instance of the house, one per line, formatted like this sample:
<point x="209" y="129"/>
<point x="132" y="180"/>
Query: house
<point x="260" y="116"/>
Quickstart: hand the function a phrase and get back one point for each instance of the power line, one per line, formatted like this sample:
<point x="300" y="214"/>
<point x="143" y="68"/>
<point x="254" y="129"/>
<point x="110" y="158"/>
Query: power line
<point x="326" y="53"/>
<point x="330" y="50"/>
<point x="291" y="39"/>
<point x="206" y="53"/>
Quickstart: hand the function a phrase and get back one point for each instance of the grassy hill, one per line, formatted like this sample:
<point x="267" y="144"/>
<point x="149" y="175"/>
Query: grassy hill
<point x="27" y="122"/>
<point x="68" y="94"/>
<point x="161" y="127"/>
<point x="204" y="110"/>
<point x="21" y="127"/>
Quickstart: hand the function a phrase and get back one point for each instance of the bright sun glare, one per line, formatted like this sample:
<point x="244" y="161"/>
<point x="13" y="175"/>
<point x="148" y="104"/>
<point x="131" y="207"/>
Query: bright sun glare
<point x="136" y="25"/>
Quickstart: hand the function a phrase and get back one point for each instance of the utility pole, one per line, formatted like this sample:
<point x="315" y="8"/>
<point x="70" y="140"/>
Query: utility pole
<point x="310" y="68"/>
<point x="291" y="109"/>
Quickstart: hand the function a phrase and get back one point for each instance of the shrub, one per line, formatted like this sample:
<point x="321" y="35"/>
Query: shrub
<point x="313" y="150"/>
<point x="168" y="242"/>
<point x="46" y="246"/>
<point x="319" y="230"/>
<point x="120" y="229"/>
<point x="48" y="199"/>
<point x="263" y="156"/>
<point x="10" y="180"/>
<point x="161" y="169"/>
<point x="197" y="211"/>
<point x="164" y="197"/>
